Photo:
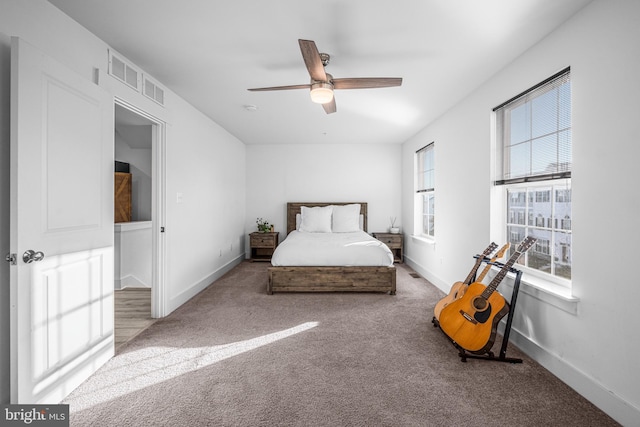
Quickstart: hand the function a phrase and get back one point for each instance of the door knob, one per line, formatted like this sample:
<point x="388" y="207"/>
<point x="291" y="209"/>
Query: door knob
<point x="32" y="256"/>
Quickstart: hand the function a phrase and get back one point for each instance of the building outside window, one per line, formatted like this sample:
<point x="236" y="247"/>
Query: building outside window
<point x="424" y="223"/>
<point x="534" y="171"/>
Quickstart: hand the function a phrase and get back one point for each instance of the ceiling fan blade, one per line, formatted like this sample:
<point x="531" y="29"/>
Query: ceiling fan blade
<point x="259" y="89"/>
<point x="366" y="82"/>
<point x="330" y="107"/>
<point x="312" y="60"/>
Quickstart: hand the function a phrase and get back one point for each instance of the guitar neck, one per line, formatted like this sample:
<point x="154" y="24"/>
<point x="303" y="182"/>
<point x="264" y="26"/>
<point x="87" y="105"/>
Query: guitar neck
<point x="486" y="270"/>
<point x="522" y="248"/>
<point x="473" y="271"/>
<point x="479" y="260"/>
<point x="497" y="256"/>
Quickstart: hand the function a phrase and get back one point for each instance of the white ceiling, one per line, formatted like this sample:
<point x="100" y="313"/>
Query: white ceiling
<point x="210" y="52"/>
<point x="134" y="129"/>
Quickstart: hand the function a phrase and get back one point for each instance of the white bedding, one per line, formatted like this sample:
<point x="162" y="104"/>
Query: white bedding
<point x="331" y="249"/>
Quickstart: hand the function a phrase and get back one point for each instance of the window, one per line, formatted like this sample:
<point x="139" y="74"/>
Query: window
<point x="425" y="197"/>
<point x="533" y="168"/>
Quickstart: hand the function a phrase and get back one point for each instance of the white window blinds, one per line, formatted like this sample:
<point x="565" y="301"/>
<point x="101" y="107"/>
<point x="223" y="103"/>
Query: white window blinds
<point x="425" y="169"/>
<point x="534" y="133"/>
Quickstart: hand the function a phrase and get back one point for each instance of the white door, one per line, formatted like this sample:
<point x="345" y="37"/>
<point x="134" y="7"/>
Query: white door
<point x="61" y="211"/>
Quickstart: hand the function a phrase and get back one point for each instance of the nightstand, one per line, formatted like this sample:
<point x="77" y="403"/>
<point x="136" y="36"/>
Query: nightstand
<point x="394" y="242"/>
<point x="263" y="245"/>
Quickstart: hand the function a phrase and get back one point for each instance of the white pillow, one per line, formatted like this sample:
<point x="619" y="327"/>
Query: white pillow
<point x="316" y="220"/>
<point x="346" y="218"/>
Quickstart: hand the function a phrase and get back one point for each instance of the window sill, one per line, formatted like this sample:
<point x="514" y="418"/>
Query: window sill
<point x="423" y="240"/>
<point x="548" y="292"/>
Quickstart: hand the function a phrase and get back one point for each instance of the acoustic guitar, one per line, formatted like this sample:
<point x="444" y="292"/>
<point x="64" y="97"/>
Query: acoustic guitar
<point x="458" y="288"/>
<point x="472" y="320"/>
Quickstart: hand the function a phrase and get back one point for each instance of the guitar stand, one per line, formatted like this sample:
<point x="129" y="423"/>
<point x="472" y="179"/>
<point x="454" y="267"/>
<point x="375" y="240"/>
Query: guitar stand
<point x="464" y="355"/>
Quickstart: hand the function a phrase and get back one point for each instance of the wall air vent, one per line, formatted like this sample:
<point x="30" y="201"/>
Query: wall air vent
<point x="123" y="71"/>
<point x="152" y="90"/>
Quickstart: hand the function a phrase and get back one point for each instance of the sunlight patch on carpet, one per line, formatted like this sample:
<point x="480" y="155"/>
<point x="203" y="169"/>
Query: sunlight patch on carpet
<point x="136" y="370"/>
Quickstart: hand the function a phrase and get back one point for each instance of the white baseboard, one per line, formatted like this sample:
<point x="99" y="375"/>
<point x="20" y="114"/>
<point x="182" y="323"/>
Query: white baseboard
<point x="440" y="284"/>
<point x="201" y="284"/>
<point x="129" y="281"/>
<point x="616" y="407"/>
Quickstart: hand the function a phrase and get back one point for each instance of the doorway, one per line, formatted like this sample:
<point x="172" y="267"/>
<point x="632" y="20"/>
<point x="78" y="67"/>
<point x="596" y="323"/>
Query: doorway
<point x="139" y="148"/>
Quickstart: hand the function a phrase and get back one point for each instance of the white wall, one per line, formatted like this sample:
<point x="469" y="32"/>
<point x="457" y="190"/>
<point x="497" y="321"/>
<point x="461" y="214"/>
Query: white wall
<point x="203" y="161"/>
<point x="207" y="167"/>
<point x="132" y="255"/>
<point x="277" y="174"/>
<point x="594" y="349"/>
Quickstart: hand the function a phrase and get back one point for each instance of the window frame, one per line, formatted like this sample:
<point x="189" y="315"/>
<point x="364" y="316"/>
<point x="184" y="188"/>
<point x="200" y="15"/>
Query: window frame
<point x="536" y="182"/>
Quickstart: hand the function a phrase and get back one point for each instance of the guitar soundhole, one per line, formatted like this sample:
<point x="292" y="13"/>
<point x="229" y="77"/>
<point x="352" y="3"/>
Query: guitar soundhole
<point x="480" y="304"/>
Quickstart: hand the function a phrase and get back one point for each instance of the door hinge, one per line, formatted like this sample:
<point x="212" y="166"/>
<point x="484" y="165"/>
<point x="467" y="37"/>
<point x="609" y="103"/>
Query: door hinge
<point x="11" y="259"/>
<point x="162" y="229"/>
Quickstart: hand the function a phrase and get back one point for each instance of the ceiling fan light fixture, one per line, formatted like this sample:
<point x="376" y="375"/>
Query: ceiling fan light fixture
<point x="322" y="83"/>
<point x="321" y="92"/>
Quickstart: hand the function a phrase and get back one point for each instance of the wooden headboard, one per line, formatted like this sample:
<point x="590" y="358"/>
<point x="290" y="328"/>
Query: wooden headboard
<point x="295" y="208"/>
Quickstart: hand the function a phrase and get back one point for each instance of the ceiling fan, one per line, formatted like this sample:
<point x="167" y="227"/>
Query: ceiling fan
<point x="322" y="83"/>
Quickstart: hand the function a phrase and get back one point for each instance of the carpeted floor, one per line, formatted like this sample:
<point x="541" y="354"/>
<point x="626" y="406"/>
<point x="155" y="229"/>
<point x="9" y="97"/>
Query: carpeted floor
<point x="235" y="356"/>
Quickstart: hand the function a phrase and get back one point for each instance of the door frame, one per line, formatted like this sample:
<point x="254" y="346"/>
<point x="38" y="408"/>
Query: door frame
<point x="158" y="207"/>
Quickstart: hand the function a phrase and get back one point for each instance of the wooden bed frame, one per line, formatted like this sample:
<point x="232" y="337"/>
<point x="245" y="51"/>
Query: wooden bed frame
<point x="329" y="278"/>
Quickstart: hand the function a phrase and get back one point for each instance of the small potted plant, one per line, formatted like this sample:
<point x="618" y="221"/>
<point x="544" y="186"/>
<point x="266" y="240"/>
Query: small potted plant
<point x="393" y="229"/>
<point x="263" y="226"/>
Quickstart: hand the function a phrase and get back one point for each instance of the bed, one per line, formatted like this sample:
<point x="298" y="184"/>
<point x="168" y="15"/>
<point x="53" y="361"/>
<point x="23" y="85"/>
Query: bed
<point x="347" y="273"/>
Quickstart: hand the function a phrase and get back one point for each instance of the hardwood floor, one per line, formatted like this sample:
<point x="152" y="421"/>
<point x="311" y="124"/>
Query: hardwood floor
<point x="132" y="313"/>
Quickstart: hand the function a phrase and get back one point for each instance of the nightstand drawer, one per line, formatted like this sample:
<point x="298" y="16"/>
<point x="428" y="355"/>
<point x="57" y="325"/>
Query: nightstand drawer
<point x="391" y="241"/>
<point x="266" y="241"/>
